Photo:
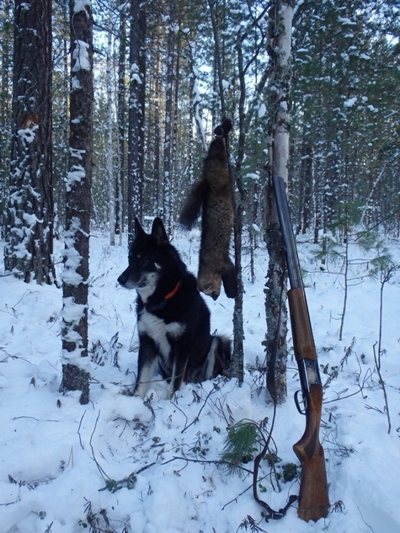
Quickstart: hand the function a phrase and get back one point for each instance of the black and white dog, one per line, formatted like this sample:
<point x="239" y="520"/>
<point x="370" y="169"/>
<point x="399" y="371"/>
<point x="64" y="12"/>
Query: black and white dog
<point x="173" y="319"/>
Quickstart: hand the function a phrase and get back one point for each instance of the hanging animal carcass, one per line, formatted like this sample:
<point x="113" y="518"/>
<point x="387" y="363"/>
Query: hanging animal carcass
<point x="213" y="193"/>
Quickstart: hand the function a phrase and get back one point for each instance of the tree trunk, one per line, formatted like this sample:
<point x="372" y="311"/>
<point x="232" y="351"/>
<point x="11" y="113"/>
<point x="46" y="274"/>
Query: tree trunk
<point x="169" y="117"/>
<point x="5" y="104"/>
<point x="176" y="171"/>
<point x="238" y="327"/>
<point x="218" y="57"/>
<point x="280" y="24"/>
<point x="109" y="149"/>
<point x="306" y="208"/>
<point x="137" y="75"/>
<point x="157" y="132"/>
<point x="29" y="227"/>
<point x="78" y="203"/>
<point x="121" y="114"/>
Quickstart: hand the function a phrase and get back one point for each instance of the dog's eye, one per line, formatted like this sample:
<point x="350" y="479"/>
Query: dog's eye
<point x="142" y="261"/>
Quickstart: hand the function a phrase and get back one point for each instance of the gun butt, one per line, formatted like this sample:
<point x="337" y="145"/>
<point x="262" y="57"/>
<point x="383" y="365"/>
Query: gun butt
<point x="313" y="497"/>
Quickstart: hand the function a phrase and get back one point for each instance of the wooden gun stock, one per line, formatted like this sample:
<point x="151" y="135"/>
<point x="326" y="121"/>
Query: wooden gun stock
<point x="313" y="497"/>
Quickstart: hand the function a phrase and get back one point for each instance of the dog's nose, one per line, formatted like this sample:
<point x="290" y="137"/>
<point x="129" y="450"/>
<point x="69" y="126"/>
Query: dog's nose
<point x="122" y="279"/>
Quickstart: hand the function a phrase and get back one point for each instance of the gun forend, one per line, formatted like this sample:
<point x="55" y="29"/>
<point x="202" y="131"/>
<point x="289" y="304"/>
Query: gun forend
<point x="303" y="340"/>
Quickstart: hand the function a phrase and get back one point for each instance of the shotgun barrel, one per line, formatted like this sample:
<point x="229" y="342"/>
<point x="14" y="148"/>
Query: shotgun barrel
<point x="313" y="497"/>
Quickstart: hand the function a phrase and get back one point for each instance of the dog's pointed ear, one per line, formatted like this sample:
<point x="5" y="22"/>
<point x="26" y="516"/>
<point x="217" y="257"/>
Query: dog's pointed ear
<point x="139" y="231"/>
<point x="158" y="231"/>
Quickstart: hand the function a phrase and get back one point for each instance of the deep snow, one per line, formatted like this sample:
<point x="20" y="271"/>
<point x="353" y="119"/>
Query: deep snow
<point x="57" y="455"/>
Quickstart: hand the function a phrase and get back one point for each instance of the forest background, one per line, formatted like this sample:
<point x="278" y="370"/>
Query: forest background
<point x="344" y="104"/>
<point x="107" y="109"/>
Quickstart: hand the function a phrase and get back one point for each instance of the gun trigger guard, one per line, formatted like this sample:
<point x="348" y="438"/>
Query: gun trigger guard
<point x="299" y="403"/>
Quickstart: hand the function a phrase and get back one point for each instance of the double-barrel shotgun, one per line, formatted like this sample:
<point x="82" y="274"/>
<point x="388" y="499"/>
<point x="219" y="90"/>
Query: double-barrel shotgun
<point x="313" y="497"/>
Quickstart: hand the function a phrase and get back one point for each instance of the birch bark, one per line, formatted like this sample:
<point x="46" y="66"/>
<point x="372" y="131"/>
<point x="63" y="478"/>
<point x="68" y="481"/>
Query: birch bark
<point x="279" y="48"/>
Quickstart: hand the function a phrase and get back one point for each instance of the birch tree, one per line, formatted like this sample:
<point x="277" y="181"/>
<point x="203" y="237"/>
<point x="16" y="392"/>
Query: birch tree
<point x="279" y="34"/>
<point x="78" y="202"/>
<point x="29" y="224"/>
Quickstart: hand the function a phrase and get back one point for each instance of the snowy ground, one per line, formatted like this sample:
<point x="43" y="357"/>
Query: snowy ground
<point x="57" y="455"/>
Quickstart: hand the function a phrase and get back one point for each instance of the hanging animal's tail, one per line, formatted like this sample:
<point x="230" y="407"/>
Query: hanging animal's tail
<point x="191" y="210"/>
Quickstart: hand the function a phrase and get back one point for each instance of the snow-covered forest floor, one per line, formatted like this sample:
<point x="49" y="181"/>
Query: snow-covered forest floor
<point x="57" y="456"/>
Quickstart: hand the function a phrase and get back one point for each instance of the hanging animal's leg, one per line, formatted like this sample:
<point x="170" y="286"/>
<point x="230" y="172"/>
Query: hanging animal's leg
<point x="215" y="265"/>
<point x="212" y="271"/>
<point x="208" y="279"/>
<point x="229" y="278"/>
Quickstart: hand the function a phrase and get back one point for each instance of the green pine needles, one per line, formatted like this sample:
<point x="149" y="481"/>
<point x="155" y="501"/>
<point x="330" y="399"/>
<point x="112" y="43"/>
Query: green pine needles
<point x="244" y="440"/>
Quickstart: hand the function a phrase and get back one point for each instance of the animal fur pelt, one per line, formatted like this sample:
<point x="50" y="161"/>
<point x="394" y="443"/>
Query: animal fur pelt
<point x="213" y="193"/>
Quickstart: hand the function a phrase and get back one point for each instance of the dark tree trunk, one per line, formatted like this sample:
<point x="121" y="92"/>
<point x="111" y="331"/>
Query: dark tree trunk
<point x="157" y="135"/>
<point x="239" y="203"/>
<point x="218" y="57"/>
<point x="137" y="61"/>
<point x="78" y="203"/>
<point x="169" y="117"/>
<point x="121" y="112"/>
<point x="175" y="175"/>
<point x="307" y="180"/>
<point x="331" y="188"/>
<point x="29" y="227"/>
<point x="275" y="298"/>
<point x="5" y="105"/>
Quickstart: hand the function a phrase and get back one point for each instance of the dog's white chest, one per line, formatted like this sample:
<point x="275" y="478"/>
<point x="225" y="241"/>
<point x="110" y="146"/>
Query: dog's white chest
<point x="159" y="331"/>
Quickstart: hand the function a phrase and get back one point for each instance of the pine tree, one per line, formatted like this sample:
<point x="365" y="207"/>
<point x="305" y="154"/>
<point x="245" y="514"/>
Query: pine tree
<point x="78" y="204"/>
<point x="137" y="87"/>
<point x="29" y="225"/>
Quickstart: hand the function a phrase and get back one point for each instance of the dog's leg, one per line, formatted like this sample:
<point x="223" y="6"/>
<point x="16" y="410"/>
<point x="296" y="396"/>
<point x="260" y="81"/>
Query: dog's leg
<point x="147" y="361"/>
<point x="208" y="371"/>
<point x="178" y="373"/>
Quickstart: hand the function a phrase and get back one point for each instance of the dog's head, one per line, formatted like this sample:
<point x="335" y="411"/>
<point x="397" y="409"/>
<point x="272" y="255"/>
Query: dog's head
<point x="150" y="256"/>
